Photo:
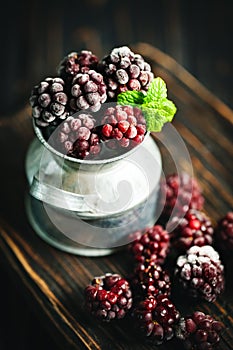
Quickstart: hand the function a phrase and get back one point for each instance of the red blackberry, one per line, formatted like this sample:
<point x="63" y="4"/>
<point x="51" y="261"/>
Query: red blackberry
<point x="155" y="318"/>
<point x="199" y="331"/>
<point x="151" y="244"/>
<point x="183" y="189"/>
<point x="122" y="127"/>
<point x="49" y="102"/>
<point x="88" y="91"/>
<point x="224" y="232"/>
<point x="150" y="279"/>
<point x="108" y="297"/>
<point x="201" y="273"/>
<point x="76" y="138"/>
<point x="194" y="229"/>
<point x="76" y="62"/>
<point x="124" y="70"/>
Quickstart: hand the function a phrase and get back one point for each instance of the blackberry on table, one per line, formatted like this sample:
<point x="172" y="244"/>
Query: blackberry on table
<point x="223" y="233"/>
<point x="108" y="297"/>
<point x="49" y="102"/>
<point x="124" y="70"/>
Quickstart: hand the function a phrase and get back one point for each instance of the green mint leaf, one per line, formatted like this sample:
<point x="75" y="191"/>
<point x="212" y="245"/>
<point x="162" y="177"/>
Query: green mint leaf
<point x="154" y="120"/>
<point x="168" y="109"/>
<point x="157" y="91"/>
<point x="130" y="98"/>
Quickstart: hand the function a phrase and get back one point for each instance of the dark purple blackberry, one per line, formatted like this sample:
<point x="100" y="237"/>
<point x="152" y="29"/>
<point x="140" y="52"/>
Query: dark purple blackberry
<point x="76" y="62"/>
<point x="151" y="245"/>
<point x="150" y="279"/>
<point x="49" y="102"/>
<point x="190" y="194"/>
<point x="201" y="272"/>
<point x="123" y="127"/>
<point x="155" y="318"/>
<point x="194" y="229"/>
<point x="124" y="70"/>
<point x="108" y="297"/>
<point x="76" y="137"/>
<point x="88" y="91"/>
<point x="199" y="331"/>
<point x="224" y="233"/>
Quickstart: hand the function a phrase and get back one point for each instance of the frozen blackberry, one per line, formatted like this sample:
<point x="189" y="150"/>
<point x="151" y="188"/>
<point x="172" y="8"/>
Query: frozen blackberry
<point x="88" y="91"/>
<point x="76" y="62"/>
<point x="76" y="137"/>
<point x="199" y="331"/>
<point x="224" y="233"/>
<point x="151" y="245"/>
<point x="49" y="102"/>
<point x="201" y="272"/>
<point x="155" y="318"/>
<point x="124" y="70"/>
<point x="122" y="127"/>
<point x="194" y="229"/>
<point x="108" y="297"/>
<point x="150" y="279"/>
<point x="189" y="196"/>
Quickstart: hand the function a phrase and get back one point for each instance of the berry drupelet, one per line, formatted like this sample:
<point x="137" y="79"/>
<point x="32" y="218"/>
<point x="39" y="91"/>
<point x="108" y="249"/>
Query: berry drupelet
<point x="49" y="102"/>
<point x="124" y="70"/>
<point x="155" y="318"/>
<point x="151" y="245"/>
<point x="108" y="297"/>
<point x="88" y="91"/>
<point x="224" y="233"/>
<point x="201" y="273"/>
<point x="76" y="138"/>
<point x="194" y="229"/>
<point x="183" y="189"/>
<point x="199" y="331"/>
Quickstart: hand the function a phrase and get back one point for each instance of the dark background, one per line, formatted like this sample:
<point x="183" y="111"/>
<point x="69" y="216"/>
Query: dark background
<point x="35" y="35"/>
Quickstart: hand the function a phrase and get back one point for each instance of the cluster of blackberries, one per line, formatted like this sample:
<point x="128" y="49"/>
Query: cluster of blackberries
<point x="84" y="83"/>
<point x="147" y="293"/>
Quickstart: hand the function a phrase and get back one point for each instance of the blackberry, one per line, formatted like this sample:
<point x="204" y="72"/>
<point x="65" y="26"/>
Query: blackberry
<point x="124" y="70"/>
<point x="76" y="137"/>
<point x="122" y="127"/>
<point x="194" y="229"/>
<point x="151" y="244"/>
<point x="190" y="194"/>
<point x="201" y="273"/>
<point x="76" y="62"/>
<point x="88" y="91"/>
<point x="49" y="102"/>
<point x="108" y="297"/>
<point x="150" y="279"/>
<point x="155" y="318"/>
<point x="199" y="331"/>
<point x="224" y="233"/>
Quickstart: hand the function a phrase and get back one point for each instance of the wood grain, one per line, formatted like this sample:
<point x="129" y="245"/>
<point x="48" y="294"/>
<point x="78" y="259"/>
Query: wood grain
<point x="53" y="280"/>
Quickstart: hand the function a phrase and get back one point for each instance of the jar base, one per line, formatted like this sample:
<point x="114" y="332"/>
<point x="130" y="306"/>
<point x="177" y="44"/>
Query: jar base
<point x="43" y="227"/>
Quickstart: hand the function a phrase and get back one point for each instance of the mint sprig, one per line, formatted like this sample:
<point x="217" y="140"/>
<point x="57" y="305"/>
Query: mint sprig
<point x="155" y="105"/>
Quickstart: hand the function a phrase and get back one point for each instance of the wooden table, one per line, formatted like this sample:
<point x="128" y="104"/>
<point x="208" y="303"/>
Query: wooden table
<point x="53" y="281"/>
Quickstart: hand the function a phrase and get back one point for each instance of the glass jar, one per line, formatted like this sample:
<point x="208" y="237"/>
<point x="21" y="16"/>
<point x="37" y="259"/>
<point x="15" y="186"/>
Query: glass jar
<point x="91" y="207"/>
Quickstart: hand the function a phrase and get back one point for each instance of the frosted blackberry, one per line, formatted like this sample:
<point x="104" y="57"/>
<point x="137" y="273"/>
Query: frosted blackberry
<point x="224" y="233"/>
<point x="49" y="102"/>
<point x="123" y="127"/>
<point x="76" y="137"/>
<point x="108" y="297"/>
<point x="124" y="70"/>
<point x="155" y="318"/>
<point x="88" y="91"/>
<point x="201" y="273"/>
<point x="150" y="279"/>
<point x="190" y="194"/>
<point x="199" y="331"/>
<point x="76" y="62"/>
<point x="194" y="229"/>
<point x="151" y="245"/>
